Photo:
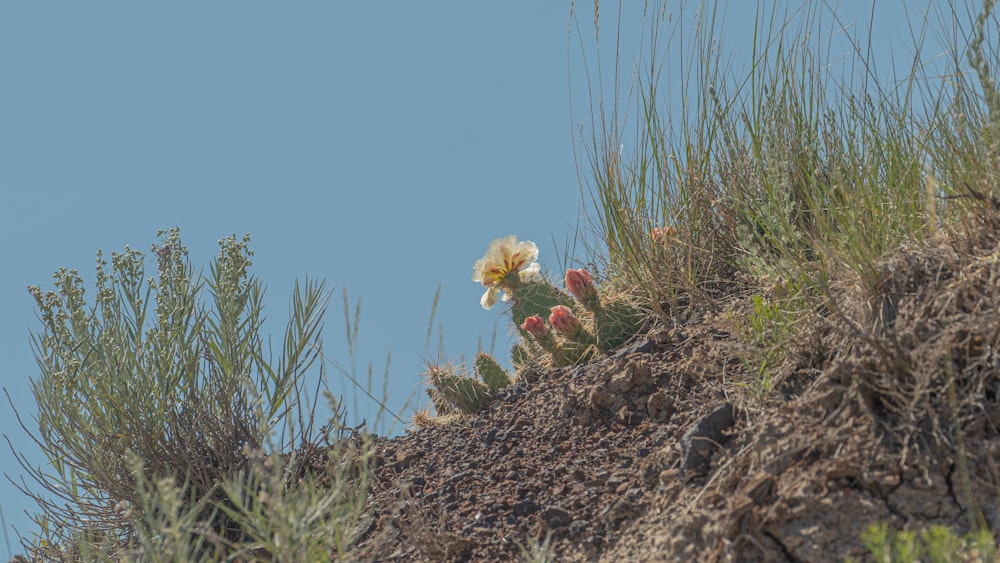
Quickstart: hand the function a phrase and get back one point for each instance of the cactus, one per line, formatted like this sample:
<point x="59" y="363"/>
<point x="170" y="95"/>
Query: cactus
<point x="572" y="353"/>
<point x="509" y="270"/>
<point x="611" y="324"/>
<point x="566" y="322"/>
<point x="535" y="298"/>
<point x="453" y="390"/>
<point x="520" y="356"/>
<point x="466" y="394"/>
<point x="616" y="323"/>
<point x="491" y="373"/>
<point x="442" y="406"/>
<point x="564" y="353"/>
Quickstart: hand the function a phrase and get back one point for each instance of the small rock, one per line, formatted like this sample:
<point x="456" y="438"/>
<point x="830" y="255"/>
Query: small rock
<point x="636" y="375"/>
<point x="599" y="399"/>
<point x="512" y="393"/>
<point x="628" y="417"/>
<point x="699" y="442"/>
<point x="524" y="508"/>
<point x="667" y="476"/>
<point x="568" y="406"/>
<point x="659" y="406"/>
<point x="643" y="347"/>
<point x="615" y="481"/>
<point x="555" y="517"/>
<point x="622" y="509"/>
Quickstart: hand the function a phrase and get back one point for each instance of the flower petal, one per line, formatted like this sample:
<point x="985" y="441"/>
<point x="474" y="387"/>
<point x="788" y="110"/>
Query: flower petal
<point x="531" y="273"/>
<point x="505" y="256"/>
<point x="528" y="251"/>
<point x="489" y="299"/>
<point x="477" y="270"/>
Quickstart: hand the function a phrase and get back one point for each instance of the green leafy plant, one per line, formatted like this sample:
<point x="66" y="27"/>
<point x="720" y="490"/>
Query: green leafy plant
<point x="150" y="398"/>
<point x="936" y="544"/>
<point x="537" y="551"/>
<point x="766" y="329"/>
<point x="304" y="506"/>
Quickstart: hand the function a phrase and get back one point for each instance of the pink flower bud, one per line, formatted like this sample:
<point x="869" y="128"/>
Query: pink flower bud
<point x="535" y="326"/>
<point x="661" y="235"/>
<point x="563" y="320"/>
<point x="581" y="285"/>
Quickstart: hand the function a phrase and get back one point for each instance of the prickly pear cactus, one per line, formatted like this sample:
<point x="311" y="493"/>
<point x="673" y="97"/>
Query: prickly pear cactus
<point x="535" y="298"/>
<point x="442" y="406"/>
<point x="585" y="322"/>
<point x="463" y="393"/>
<point x="490" y="371"/>
<point x="520" y="355"/>
<point x="572" y="353"/>
<point x="466" y="394"/>
<point x="616" y="322"/>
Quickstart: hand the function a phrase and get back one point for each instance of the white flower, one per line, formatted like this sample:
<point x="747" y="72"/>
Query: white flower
<point x="505" y="256"/>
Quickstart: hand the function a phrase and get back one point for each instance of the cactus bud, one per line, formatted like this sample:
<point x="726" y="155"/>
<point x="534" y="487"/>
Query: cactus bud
<point x="581" y="285"/>
<point x="535" y="326"/>
<point x="563" y="320"/>
<point x="538" y="330"/>
<point x="661" y="235"/>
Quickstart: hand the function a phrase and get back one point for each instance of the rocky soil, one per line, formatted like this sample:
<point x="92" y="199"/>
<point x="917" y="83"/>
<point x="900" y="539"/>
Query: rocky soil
<point x="658" y="452"/>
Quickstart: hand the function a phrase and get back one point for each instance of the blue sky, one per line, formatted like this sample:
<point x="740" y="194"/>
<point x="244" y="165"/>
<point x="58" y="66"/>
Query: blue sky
<point x="378" y="145"/>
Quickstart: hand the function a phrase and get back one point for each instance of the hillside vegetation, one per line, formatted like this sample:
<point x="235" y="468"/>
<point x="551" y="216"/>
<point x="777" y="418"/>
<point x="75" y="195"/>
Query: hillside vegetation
<point x="785" y="345"/>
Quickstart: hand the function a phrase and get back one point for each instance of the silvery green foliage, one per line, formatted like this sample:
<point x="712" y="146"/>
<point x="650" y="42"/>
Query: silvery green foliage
<point x="166" y="365"/>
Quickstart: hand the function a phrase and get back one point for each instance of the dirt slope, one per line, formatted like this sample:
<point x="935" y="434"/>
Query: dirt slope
<point x="657" y="453"/>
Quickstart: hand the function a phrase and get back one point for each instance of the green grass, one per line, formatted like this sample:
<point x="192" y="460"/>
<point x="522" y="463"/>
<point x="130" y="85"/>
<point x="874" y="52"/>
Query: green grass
<point x="786" y="173"/>
<point x="786" y="185"/>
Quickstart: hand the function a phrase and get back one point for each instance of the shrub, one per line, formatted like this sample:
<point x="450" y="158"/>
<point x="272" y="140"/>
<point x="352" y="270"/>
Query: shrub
<point x="154" y="400"/>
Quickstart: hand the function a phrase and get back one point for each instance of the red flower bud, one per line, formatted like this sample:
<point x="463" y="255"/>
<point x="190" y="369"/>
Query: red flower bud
<point x="535" y="326"/>
<point x="661" y="235"/>
<point x="563" y="320"/>
<point x="581" y="285"/>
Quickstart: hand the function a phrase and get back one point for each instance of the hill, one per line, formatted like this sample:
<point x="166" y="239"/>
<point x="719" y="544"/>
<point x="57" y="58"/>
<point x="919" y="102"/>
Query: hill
<point x="658" y="452"/>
